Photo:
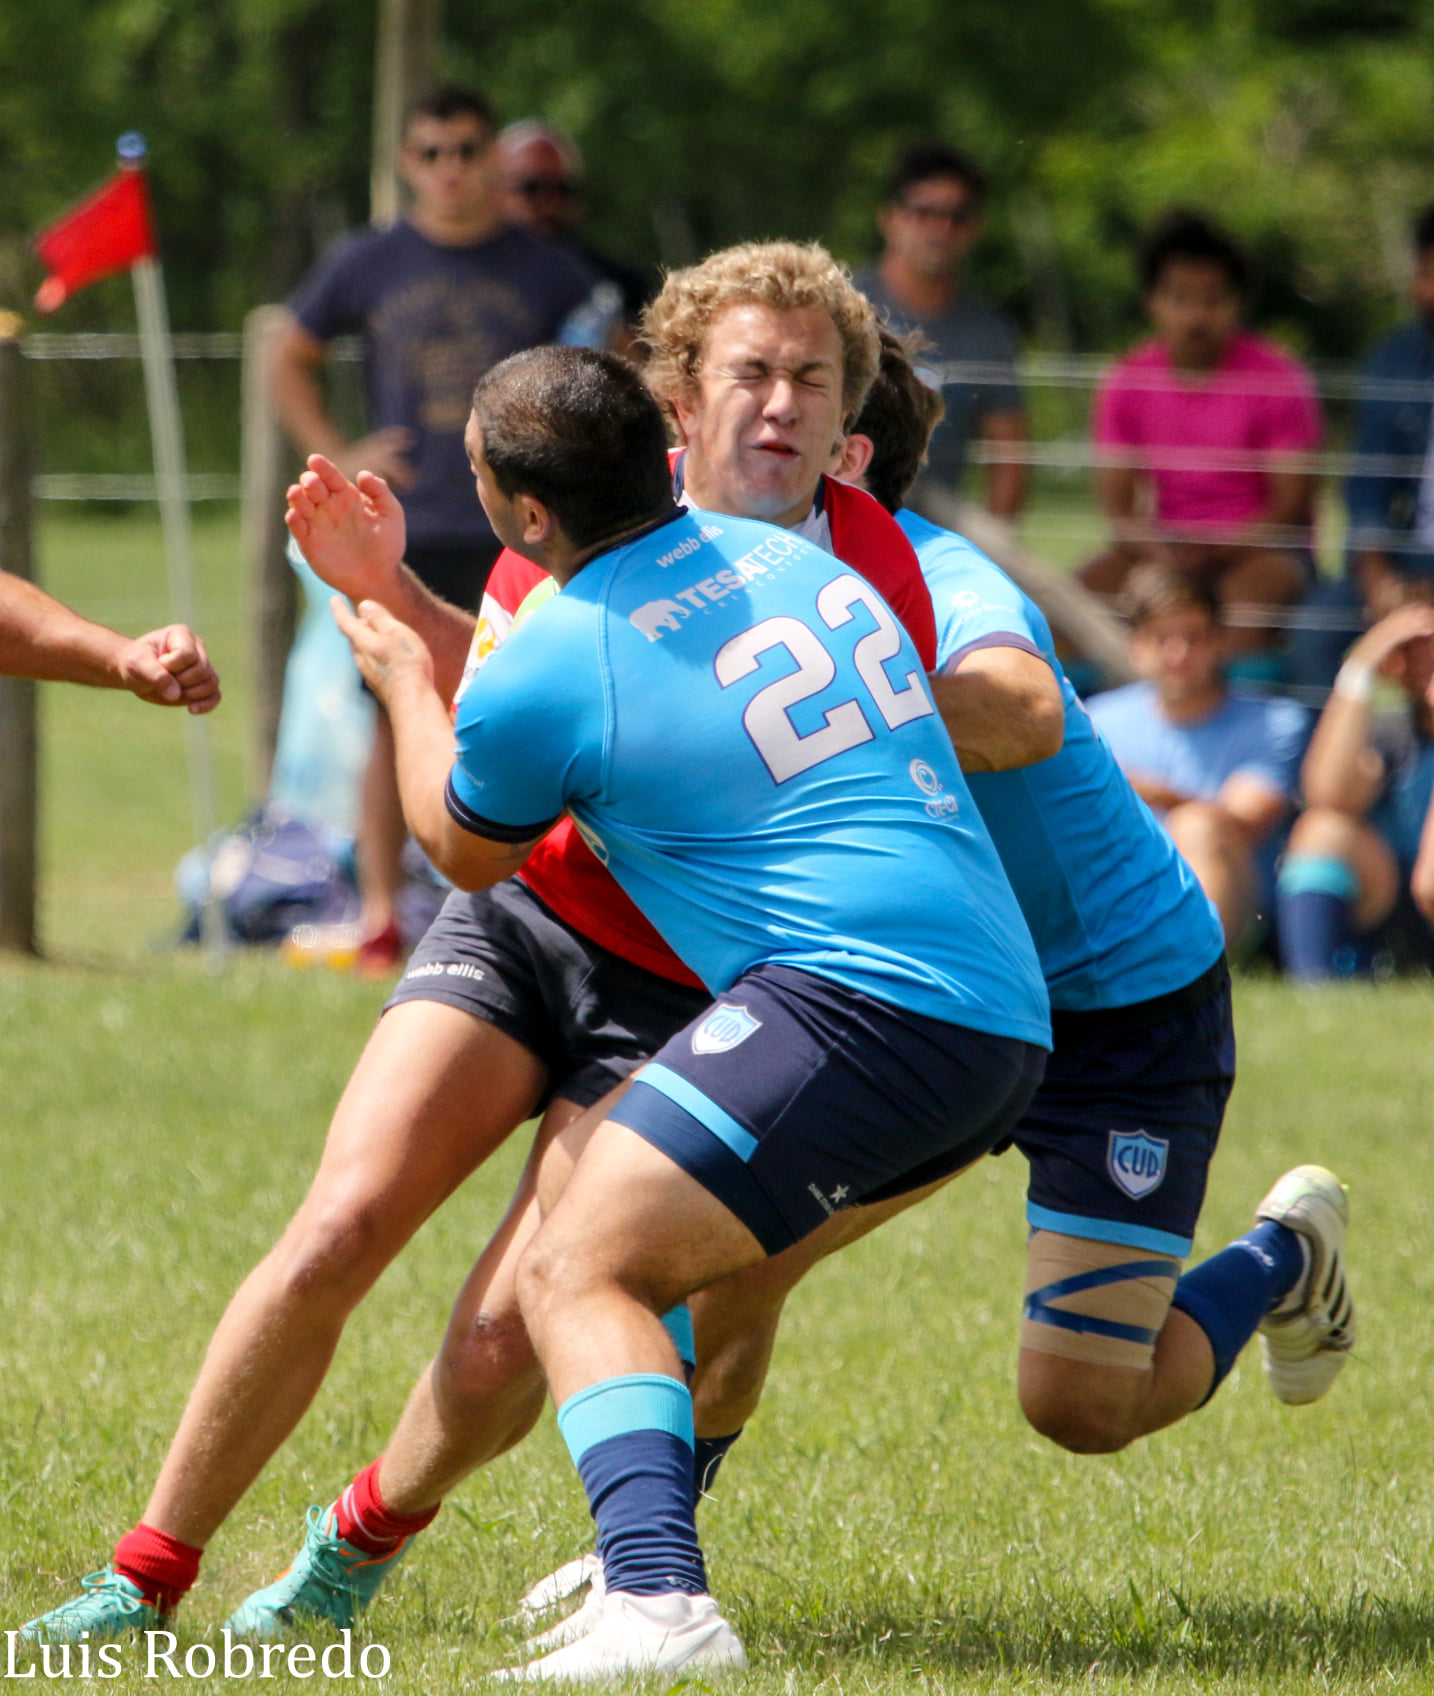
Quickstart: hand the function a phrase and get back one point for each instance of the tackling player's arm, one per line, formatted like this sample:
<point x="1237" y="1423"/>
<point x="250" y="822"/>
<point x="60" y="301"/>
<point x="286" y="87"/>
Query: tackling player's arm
<point x="473" y="853"/>
<point x="353" y="534"/>
<point x="1002" y="707"/>
<point x="41" y="637"/>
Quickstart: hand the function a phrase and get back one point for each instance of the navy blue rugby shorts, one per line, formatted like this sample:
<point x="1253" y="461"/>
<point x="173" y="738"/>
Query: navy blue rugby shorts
<point x="590" y="1016"/>
<point x="792" y="1097"/>
<point x="1122" y="1131"/>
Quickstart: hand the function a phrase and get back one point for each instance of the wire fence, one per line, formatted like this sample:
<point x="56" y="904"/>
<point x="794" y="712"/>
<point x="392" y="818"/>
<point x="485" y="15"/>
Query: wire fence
<point x="1061" y="453"/>
<point x="84" y="415"/>
<point x="1070" y="453"/>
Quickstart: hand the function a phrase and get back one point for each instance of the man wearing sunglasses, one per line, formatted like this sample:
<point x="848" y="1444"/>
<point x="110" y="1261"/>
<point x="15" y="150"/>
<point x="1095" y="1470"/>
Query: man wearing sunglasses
<point x="932" y="219"/>
<point x="543" y="175"/>
<point x="438" y="299"/>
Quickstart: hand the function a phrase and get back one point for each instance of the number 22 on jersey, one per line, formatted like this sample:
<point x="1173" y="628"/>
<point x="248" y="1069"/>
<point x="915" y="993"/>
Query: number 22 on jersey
<point x="767" y="720"/>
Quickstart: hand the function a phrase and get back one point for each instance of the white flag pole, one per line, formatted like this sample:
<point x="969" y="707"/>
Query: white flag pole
<point x="167" y="437"/>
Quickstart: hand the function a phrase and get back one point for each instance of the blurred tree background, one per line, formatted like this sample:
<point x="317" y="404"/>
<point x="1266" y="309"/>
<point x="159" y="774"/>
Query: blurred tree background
<point x="1304" y="124"/>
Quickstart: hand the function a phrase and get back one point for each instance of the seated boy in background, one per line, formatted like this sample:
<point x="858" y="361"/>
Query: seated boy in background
<point x="1218" y="769"/>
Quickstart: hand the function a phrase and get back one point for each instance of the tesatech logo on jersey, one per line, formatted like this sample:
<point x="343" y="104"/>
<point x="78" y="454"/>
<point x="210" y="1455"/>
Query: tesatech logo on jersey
<point x="1137" y="1161"/>
<point x="653" y="617"/>
<point x="656" y="618"/>
<point x="723" y="1028"/>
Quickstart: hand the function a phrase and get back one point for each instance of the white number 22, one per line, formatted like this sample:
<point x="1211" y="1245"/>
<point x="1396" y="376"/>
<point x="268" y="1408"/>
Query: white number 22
<point x="768" y="721"/>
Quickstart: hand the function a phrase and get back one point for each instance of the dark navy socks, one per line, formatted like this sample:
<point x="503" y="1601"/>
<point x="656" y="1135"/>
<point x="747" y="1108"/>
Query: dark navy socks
<point x="1230" y="1293"/>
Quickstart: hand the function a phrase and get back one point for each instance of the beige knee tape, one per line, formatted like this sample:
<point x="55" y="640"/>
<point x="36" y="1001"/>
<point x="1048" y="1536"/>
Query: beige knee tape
<point x="1139" y="1300"/>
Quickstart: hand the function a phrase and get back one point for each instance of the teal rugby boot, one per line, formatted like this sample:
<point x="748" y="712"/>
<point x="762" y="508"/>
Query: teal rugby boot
<point x="330" y="1579"/>
<point x="111" y="1605"/>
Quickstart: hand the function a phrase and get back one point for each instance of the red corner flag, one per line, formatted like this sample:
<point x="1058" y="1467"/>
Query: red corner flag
<point x="105" y="233"/>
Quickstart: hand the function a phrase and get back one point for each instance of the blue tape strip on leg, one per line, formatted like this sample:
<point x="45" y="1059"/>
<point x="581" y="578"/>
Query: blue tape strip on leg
<point x="1037" y="1304"/>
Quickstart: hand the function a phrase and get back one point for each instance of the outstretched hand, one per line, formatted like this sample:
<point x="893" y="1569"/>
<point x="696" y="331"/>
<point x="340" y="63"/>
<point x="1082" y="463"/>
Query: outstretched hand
<point x="170" y="668"/>
<point x="352" y="533"/>
<point x="387" y="653"/>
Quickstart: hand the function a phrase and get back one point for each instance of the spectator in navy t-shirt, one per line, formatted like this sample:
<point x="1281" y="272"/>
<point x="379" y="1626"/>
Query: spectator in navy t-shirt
<point x="438" y="298"/>
<point x="1218" y="769"/>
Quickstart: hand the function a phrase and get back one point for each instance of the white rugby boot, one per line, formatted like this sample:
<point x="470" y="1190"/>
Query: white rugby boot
<point x="641" y="1634"/>
<point x="557" y="1587"/>
<point x="569" y="1578"/>
<point x="1307" y="1338"/>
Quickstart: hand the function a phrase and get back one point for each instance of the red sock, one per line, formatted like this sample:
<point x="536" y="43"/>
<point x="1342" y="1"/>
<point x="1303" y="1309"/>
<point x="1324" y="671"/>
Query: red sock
<point x="162" y="1566"/>
<point x="366" y="1521"/>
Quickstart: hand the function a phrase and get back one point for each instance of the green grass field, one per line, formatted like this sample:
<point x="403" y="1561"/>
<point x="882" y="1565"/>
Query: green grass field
<point x="888" y="1522"/>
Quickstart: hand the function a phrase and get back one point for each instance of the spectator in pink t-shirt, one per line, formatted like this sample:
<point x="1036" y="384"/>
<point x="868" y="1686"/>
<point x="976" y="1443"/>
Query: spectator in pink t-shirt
<point x="1203" y="432"/>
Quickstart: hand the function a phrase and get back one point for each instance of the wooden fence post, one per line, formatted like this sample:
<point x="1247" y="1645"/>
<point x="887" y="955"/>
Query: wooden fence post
<point x="19" y="742"/>
<point x="267" y="461"/>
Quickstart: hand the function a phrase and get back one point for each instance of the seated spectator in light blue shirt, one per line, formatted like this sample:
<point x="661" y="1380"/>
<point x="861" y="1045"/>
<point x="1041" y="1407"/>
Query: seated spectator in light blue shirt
<point x="1218" y="769"/>
<point x="1390" y="493"/>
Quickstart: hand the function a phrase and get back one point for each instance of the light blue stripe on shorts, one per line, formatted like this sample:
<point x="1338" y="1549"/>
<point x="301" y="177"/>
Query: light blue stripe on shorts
<point x="702" y="1108"/>
<point x="1108" y="1231"/>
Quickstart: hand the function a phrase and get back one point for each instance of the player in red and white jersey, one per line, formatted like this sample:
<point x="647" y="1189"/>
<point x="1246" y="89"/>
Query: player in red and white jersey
<point x="536" y="996"/>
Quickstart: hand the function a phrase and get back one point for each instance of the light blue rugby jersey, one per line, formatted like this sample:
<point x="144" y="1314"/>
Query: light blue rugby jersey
<point x="1117" y="915"/>
<point x="745" y="736"/>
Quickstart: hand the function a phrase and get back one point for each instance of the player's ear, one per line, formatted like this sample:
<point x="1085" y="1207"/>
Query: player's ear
<point x="683" y="401"/>
<point x="538" y="523"/>
<point x="854" y="458"/>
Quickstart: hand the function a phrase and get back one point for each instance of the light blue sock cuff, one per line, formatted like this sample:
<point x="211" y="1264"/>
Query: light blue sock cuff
<point x="1318" y="874"/>
<point x="641" y="1401"/>
<point x="677" y="1322"/>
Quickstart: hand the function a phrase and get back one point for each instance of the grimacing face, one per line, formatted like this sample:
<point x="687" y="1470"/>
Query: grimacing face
<point x="762" y="418"/>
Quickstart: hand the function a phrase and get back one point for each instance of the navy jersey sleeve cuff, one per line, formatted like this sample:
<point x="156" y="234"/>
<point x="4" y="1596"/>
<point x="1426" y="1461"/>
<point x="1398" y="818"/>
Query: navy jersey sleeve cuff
<point x="475" y="823"/>
<point x="995" y="639"/>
